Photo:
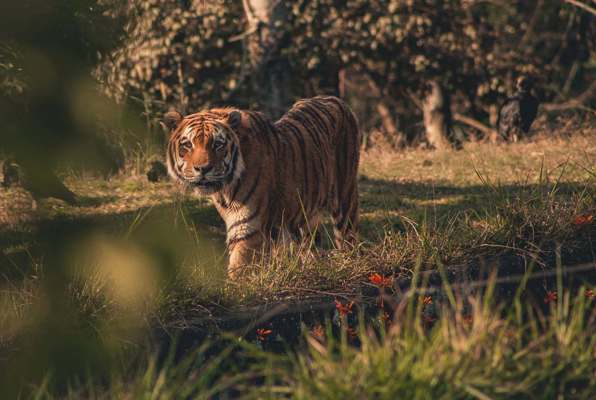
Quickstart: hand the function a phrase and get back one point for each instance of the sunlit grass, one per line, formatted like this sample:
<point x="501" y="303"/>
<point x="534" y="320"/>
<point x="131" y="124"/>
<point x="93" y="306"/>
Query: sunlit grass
<point x="463" y="215"/>
<point x="143" y="256"/>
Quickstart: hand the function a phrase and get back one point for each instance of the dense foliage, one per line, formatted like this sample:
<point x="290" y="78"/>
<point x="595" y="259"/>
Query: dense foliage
<point x="191" y="55"/>
<point x="177" y="53"/>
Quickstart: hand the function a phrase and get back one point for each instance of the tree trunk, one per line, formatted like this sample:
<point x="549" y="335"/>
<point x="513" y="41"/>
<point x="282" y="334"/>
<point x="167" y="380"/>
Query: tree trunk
<point x="436" y="109"/>
<point x="266" y="39"/>
<point x="396" y="138"/>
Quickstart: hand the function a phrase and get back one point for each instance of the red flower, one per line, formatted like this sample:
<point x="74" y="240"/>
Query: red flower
<point x="583" y="219"/>
<point x="427" y="300"/>
<point x="589" y="293"/>
<point x="262" y="334"/>
<point x="380" y="280"/>
<point x="386" y="317"/>
<point x="344" y="309"/>
<point x="550" y="296"/>
<point x="352" y="334"/>
<point x="318" y="332"/>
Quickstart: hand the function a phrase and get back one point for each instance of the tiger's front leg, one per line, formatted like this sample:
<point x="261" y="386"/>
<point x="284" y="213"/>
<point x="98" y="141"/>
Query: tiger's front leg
<point x="243" y="252"/>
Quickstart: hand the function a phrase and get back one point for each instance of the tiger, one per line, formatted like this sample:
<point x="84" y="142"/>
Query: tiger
<point x="270" y="180"/>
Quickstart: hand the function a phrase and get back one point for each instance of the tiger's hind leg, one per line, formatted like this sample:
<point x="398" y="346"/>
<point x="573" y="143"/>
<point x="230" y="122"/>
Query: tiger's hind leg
<point x="318" y="239"/>
<point x="314" y="239"/>
<point x="344" y="207"/>
<point x="311" y="234"/>
<point x="345" y="218"/>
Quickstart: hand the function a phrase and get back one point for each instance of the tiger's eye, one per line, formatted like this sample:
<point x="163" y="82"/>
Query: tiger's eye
<point x="183" y="148"/>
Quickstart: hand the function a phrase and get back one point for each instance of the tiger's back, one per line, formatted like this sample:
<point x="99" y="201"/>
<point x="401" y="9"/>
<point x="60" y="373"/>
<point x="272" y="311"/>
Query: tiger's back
<point x="321" y="151"/>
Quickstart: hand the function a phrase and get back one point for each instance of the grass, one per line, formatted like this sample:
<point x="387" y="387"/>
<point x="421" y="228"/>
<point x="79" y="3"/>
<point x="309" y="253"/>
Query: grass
<point x="136" y="256"/>
<point x="487" y="354"/>
<point x="417" y="207"/>
<point x="483" y="352"/>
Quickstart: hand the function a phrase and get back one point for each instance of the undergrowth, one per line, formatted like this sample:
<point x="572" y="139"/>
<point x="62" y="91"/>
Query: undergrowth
<point x="476" y="348"/>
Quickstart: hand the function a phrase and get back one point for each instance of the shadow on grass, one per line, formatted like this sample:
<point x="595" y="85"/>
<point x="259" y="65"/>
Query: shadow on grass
<point x="177" y="234"/>
<point x="384" y="202"/>
<point x="181" y="231"/>
<point x="88" y="201"/>
<point x="178" y="226"/>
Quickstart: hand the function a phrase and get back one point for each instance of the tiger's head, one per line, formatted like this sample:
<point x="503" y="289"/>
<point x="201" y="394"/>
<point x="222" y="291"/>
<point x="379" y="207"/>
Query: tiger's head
<point x="204" y="149"/>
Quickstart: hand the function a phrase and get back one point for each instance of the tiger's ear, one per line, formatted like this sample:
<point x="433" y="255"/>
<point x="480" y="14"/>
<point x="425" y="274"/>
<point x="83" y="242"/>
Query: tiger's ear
<point x="235" y="119"/>
<point x="170" y="121"/>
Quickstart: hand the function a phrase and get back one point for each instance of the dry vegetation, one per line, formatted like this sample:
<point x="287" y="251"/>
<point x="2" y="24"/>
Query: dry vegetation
<point x="418" y="208"/>
<point x="155" y="258"/>
<point x="474" y="277"/>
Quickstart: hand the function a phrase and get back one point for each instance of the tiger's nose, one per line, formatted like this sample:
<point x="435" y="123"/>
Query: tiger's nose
<point x="203" y="169"/>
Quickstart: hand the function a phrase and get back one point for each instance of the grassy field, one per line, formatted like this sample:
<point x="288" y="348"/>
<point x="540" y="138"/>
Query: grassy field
<point x="89" y="282"/>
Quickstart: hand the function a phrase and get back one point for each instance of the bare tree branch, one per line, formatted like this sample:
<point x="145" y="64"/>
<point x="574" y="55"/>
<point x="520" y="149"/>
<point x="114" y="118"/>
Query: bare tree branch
<point x="577" y="102"/>
<point x="582" y="6"/>
<point x="532" y="24"/>
<point x="384" y="112"/>
<point x="487" y="130"/>
<point x="415" y="99"/>
<point x="389" y="124"/>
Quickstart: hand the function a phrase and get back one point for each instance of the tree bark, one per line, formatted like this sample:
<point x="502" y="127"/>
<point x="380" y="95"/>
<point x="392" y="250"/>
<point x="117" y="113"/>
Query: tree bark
<point x="395" y="136"/>
<point x="266" y="39"/>
<point x="436" y="110"/>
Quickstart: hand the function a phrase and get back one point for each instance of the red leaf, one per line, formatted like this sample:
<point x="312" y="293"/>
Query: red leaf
<point x="550" y="297"/>
<point x="343" y="309"/>
<point x="380" y="280"/>
<point x="263" y="333"/>
<point x="583" y="219"/>
<point x="386" y="317"/>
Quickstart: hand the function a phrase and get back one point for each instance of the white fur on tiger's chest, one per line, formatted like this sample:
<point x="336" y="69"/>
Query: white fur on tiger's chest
<point x="231" y="215"/>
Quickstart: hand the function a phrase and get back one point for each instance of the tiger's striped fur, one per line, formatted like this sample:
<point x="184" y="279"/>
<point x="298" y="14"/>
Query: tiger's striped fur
<point x="268" y="180"/>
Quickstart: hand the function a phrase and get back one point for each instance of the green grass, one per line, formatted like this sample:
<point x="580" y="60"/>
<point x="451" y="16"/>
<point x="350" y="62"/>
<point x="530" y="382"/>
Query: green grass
<point x="487" y="354"/>
<point x="81" y="287"/>
<point x="417" y="207"/>
<point x="484" y="351"/>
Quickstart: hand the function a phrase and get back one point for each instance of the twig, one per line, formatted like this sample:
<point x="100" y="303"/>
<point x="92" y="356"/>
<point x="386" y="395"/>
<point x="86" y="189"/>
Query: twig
<point x="242" y="35"/>
<point x="532" y="23"/>
<point x="488" y="131"/>
<point x="577" y="102"/>
<point x="582" y="6"/>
